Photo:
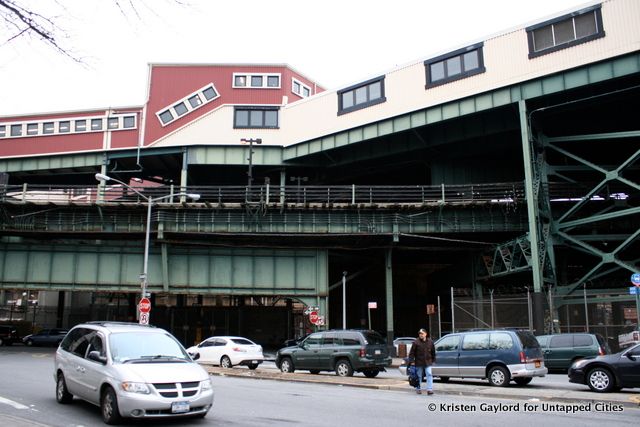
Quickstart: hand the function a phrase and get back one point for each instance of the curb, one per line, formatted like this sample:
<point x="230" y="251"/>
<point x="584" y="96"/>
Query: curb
<point x="461" y="390"/>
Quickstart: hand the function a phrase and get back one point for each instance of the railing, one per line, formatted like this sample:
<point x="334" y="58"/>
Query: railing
<point x="271" y="195"/>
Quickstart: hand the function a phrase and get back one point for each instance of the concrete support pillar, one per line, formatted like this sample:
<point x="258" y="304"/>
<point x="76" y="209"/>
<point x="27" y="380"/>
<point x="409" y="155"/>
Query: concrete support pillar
<point x="283" y="182"/>
<point x="183" y="174"/>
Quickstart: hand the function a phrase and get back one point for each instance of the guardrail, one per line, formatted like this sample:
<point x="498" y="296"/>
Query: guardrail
<point x="269" y="194"/>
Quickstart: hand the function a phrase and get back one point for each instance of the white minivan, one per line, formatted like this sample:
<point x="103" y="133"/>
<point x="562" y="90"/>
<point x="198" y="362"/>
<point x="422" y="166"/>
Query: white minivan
<point x="131" y="370"/>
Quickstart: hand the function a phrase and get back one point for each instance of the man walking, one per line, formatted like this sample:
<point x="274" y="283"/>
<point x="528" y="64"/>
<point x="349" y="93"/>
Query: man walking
<point x="423" y="355"/>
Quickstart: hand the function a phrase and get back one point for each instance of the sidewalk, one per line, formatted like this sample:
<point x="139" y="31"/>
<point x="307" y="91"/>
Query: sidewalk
<point x="627" y="397"/>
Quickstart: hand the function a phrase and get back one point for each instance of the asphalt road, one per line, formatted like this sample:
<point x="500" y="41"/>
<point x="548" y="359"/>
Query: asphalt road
<point x="27" y="394"/>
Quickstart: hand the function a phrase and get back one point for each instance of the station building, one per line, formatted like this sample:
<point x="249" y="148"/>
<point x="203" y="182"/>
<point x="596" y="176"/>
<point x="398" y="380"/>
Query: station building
<point x="444" y="190"/>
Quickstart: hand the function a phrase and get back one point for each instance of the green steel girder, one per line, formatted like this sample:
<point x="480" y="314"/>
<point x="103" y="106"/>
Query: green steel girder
<point x="116" y="267"/>
<point x="52" y="162"/>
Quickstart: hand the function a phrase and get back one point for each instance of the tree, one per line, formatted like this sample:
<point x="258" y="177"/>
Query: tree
<point x="22" y="18"/>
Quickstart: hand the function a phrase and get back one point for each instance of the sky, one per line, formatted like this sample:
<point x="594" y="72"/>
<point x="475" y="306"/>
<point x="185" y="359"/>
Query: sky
<point x="336" y="43"/>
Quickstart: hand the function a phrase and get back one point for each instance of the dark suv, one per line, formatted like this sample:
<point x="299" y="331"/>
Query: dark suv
<point x="342" y="351"/>
<point x="561" y="350"/>
<point x="8" y="335"/>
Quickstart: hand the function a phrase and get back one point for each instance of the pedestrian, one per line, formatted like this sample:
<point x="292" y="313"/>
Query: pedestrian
<point x="423" y="355"/>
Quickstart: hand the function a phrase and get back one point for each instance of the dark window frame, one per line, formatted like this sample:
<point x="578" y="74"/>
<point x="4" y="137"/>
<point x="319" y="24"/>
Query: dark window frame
<point x="254" y="108"/>
<point x="369" y="102"/>
<point x="479" y="47"/>
<point x="597" y="9"/>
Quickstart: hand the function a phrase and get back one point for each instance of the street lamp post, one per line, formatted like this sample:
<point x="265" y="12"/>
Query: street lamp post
<point x="251" y="141"/>
<point x="147" y="235"/>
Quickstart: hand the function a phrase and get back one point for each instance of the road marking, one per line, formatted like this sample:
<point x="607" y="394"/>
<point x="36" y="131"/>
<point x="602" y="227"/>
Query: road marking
<point x="12" y="403"/>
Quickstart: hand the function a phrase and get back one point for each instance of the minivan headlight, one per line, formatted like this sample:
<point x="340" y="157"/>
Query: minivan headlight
<point x="132" y="387"/>
<point x="206" y="385"/>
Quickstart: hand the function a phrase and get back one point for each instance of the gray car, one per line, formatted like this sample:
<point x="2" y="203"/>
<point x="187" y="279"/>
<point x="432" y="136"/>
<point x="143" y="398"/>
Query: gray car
<point x="130" y="370"/>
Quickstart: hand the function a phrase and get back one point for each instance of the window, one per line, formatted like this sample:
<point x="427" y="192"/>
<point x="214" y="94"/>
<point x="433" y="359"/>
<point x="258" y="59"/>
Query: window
<point x="500" y="341"/>
<point x="313" y="340"/>
<point x="449" y="343"/>
<point x="455" y="65"/>
<point x="476" y="342"/>
<point x="129" y="122"/>
<point x="560" y="341"/>
<point x="361" y="96"/>
<point x="300" y="88"/>
<point x="96" y="124"/>
<point x="16" y="130"/>
<point x="255" y="117"/>
<point x="582" y="341"/>
<point x="81" y="125"/>
<point x="256" y="81"/>
<point x="113" y="123"/>
<point x="566" y="31"/>
<point x="48" y="128"/>
<point x="185" y="105"/>
<point x="32" y="129"/>
<point x="3" y="131"/>
<point x="64" y="126"/>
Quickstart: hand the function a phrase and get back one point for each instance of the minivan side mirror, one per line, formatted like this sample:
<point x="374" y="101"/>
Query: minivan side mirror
<point x="97" y="357"/>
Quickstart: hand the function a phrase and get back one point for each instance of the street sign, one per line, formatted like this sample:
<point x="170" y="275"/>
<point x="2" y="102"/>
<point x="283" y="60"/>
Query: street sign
<point x="431" y="309"/>
<point x="144" y="318"/>
<point x="373" y="305"/>
<point x="634" y="290"/>
<point x="635" y="279"/>
<point x="309" y="309"/>
<point x="144" y="306"/>
<point x="320" y="321"/>
<point x="313" y="317"/>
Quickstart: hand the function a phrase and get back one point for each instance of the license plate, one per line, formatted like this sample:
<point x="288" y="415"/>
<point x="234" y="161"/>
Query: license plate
<point x="377" y="352"/>
<point x="537" y="363"/>
<point x="180" y="407"/>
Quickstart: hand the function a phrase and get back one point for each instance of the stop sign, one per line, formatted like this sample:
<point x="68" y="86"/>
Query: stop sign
<point x="144" y="305"/>
<point x="313" y="317"/>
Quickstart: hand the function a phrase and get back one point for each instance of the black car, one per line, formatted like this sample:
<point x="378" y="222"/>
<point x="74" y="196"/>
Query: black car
<point x="8" y="335"/>
<point x="46" y="337"/>
<point x="610" y="372"/>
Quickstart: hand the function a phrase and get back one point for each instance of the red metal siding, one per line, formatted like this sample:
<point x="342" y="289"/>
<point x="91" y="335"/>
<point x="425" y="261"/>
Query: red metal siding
<point x="124" y="138"/>
<point x="172" y="83"/>
<point x="50" y="144"/>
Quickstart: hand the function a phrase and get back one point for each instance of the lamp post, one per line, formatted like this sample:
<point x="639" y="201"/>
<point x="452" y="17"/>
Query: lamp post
<point x="147" y="236"/>
<point x="251" y="141"/>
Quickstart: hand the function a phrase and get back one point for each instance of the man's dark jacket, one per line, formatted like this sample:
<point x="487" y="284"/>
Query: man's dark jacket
<point x="423" y="353"/>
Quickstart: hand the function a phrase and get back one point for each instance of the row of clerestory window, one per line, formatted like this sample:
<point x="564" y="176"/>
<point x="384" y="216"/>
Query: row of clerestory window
<point x="67" y="126"/>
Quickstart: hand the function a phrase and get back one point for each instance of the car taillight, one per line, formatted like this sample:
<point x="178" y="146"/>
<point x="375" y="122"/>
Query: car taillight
<point x="239" y="349"/>
<point x="601" y="351"/>
<point x="363" y="353"/>
<point x="523" y="358"/>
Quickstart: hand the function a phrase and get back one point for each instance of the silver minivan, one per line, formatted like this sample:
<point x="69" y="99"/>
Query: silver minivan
<point x="131" y="370"/>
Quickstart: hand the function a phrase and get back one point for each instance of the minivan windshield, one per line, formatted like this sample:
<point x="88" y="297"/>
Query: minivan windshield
<point x="142" y="347"/>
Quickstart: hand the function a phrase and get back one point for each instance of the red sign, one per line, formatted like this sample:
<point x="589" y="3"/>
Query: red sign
<point x="144" y="305"/>
<point x="313" y="317"/>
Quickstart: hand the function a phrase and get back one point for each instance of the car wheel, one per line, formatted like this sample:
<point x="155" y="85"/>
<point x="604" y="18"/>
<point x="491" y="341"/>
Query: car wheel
<point x="523" y="380"/>
<point x="371" y="373"/>
<point x="29" y="343"/>
<point x="343" y="368"/>
<point x="225" y="362"/>
<point x="314" y="371"/>
<point x="444" y="379"/>
<point x="286" y="365"/>
<point x="600" y="380"/>
<point x="62" y="394"/>
<point x="253" y="366"/>
<point x="109" y="407"/>
<point x="499" y="376"/>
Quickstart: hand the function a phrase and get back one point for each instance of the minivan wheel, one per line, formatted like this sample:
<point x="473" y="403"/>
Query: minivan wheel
<point x="371" y="373"/>
<point x="109" y="407"/>
<point x="62" y="394"/>
<point x="523" y="380"/>
<point x="225" y="362"/>
<point x="600" y="380"/>
<point x="343" y="368"/>
<point x="499" y="376"/>
<point x="286" y="365"/>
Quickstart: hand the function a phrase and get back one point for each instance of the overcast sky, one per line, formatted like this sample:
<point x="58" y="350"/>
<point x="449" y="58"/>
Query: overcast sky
<point x="334" y="42"/>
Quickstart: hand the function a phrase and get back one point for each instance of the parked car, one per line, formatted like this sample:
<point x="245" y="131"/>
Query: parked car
<point x="499" y="356"/>
<point x="561" y="350"/>
<point x="46" y="337"/>
<point x="131" y="370"/>
<point x="8" y="335"/>
<point x="342" y="351"/>
<point x="294" y="341"/>
<point x="229" y="351"/>
<point x="608" y="373"/>
<point x="408" y="341"/>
